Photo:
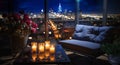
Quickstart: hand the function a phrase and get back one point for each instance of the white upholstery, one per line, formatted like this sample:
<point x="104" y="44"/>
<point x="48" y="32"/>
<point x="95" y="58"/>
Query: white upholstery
<point x="91" y="33"/>
<point x="86" y="39"/>
<point x="86" y="44"/>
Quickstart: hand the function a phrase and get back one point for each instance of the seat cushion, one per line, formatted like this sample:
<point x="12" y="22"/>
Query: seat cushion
<point x="87" y="44"/>
<point x="83" y="47"/>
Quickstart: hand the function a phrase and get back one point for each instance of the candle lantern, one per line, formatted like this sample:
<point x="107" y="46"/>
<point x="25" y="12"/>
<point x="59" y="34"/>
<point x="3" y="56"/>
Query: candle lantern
<point x="34" y="56"/>
<point x="47" y="45"/>
<point x="47" y="53"/>
<point x="41" y="56"/>
<point x="41" y="47"/>
<point x="34" y="47"/>
<point x="52" y="58"/>
<point x="52" y="49"/>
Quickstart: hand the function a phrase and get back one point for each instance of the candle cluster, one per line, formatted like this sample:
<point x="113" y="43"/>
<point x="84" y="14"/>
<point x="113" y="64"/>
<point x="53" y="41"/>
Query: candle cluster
<point x="43" y="51"/>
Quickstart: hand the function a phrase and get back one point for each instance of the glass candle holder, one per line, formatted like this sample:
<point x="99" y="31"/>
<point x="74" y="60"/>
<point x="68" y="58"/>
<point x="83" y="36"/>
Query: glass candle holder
<point x="34" y="56"/>
<point x="47" y="45"/>
<point x="34" y="47"/>
<point x="52" y="58"/>
<point x="41" y="48"/>
<point x="41" y="56"/>
<point x="52" y="49"/>
<point x="47" y="54"/>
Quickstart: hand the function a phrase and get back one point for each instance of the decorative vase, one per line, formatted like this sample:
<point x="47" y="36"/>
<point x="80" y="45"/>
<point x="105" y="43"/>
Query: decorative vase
<point x="114" y="60"/>
<point x="18" y="42"/>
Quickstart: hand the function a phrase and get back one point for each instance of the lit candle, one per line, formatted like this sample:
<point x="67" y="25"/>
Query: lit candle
<point x="34" y="56"/>
<point x="52" y="58"/>
<point x="70" y="37"/>
<point x="52" y="49"/>
<point x="47" y="53"/>
<point x="41" y="56"/>
<point x="34" y="46"/>
<point x="47" y="45"/>
<point x="41" y="47"/>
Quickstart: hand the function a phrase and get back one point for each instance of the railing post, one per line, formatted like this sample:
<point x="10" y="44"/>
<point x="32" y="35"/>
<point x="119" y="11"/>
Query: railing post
<point x="46" y="19"/>
<point x="77" y="12"/>
<point x="104" y="12"/>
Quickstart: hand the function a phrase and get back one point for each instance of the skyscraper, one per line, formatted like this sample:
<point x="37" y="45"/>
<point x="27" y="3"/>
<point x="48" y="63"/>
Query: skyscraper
<point x="59" y="8"/>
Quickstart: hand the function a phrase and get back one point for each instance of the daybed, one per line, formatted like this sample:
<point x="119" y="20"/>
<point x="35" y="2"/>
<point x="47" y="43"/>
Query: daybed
<point x="87" y="40"/>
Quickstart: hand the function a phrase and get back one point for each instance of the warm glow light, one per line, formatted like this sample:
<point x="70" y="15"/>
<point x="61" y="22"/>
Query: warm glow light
<point x="47" y="53"/>
<point x="52" y="58"/>
<point x="43" y="32"/>
<point x="34" y="46"/>
<point x="70" y="37"/>
<point x="55" y="32"/>
<point x="47" y="45"/>
<point x="34" y="56"/>
<point x="41" y="47"/>
<point x="30" y="38"/>
<point x="53" y="25"/>
<point x="57" y="36"/>
<point x="50" y="32"/>
<point x="52" y="49"/>
<point x="41" y="56"/>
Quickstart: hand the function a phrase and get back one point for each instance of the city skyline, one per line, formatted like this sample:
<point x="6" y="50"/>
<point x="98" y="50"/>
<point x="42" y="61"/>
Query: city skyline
<point x="87" y="6"/>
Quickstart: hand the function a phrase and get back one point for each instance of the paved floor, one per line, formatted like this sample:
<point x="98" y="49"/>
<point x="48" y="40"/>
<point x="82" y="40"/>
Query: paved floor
<point x="76" y="59"/>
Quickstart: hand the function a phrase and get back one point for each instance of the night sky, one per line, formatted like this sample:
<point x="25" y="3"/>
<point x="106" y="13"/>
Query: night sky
<point x="87" y="6"/>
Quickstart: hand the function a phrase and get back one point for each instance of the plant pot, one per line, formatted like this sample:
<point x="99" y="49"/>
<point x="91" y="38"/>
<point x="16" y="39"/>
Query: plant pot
<point x="18" y="42"/>
<point x="114" y="60"/>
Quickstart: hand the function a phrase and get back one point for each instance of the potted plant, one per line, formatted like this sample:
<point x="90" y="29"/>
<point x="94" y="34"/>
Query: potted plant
<point x="113" y="50"/>
<point x="18" y="27"/>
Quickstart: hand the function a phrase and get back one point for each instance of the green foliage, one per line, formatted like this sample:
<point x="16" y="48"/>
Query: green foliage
<point x="112" y="48"/>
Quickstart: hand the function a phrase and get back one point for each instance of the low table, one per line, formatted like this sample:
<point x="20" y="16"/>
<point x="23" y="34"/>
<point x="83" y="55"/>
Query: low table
<point x="25" y="57"/>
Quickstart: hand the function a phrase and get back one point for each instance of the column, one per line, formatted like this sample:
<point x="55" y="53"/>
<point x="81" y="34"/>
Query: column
<point x="104" y="12"/>
<point x="46" y="19"/>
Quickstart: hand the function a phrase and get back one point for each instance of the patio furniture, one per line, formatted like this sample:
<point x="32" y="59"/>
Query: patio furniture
<point x="87" y="40"/>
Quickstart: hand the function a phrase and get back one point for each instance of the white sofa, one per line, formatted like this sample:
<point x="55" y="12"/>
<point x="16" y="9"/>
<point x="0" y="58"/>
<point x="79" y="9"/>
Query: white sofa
<point x="86" y="40"/>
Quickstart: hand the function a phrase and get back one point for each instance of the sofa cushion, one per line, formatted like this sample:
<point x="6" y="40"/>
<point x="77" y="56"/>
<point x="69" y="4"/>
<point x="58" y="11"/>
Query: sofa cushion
<point x="83" y="28"/>
<point x="84" y="36"/>
<point x="101" y="34"/>
<point x="90" y="33"/>
<point x="79" y="28"/>
<point x="82" y="32"/>
<point x="95" y="30"/>
<point x="86" y="44"/>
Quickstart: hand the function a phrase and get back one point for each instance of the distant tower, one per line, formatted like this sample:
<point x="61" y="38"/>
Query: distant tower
<point x="60" y="8"/>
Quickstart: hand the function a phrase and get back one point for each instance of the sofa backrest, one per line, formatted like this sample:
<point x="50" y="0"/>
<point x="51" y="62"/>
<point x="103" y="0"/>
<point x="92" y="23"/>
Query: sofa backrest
<point x="90" y="33"/>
